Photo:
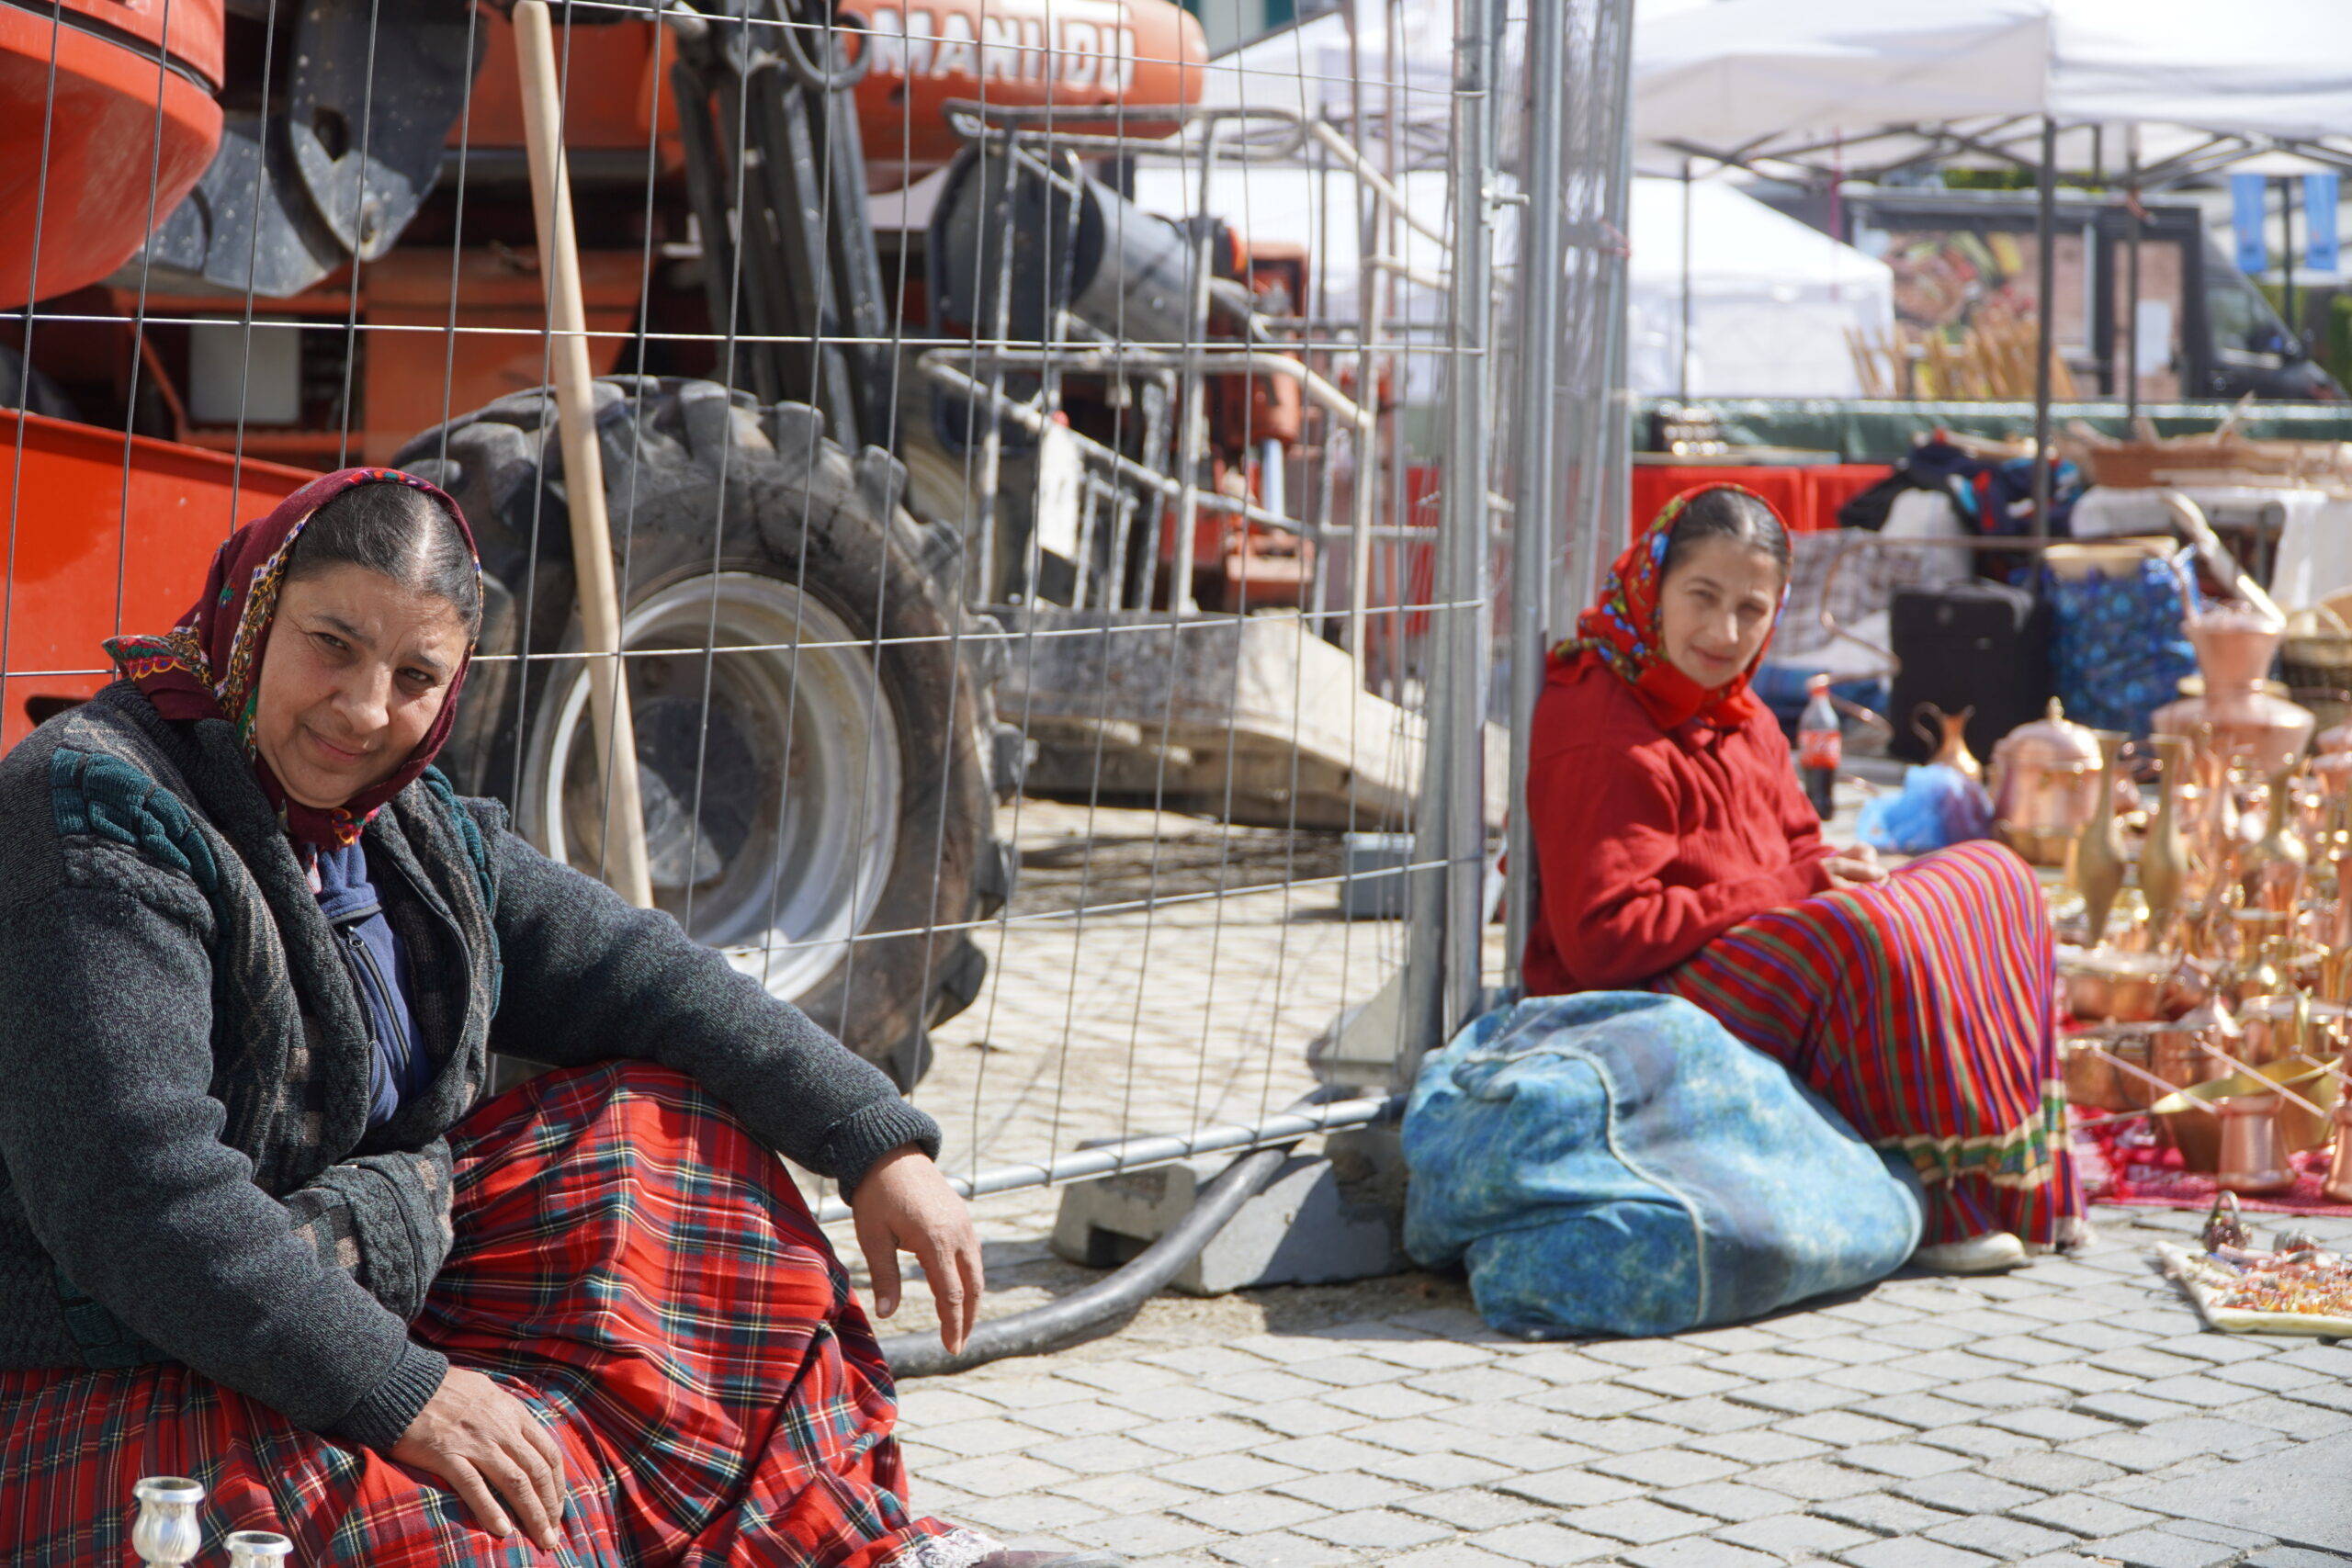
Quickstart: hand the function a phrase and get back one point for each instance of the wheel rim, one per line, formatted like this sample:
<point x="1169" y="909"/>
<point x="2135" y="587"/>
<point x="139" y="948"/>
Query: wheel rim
<point x="783" y="854"/>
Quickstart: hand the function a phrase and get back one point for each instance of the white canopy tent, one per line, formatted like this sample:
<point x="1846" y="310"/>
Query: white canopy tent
<point x="1770" y="298"/>
<point x="1862" y="83"/>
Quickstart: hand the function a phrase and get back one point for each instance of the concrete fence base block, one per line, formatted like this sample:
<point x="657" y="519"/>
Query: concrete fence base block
<point x="1318" y="1221"/>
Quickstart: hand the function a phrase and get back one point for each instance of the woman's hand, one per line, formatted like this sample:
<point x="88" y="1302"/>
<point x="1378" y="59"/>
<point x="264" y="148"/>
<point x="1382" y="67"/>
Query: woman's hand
<point x="477" y="1437"/>
<point x="903" y="1204"/>
<point x="1853" y="866"/>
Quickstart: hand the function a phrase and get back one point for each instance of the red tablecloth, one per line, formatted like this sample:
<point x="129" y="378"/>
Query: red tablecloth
<point x="1806" y="498"/>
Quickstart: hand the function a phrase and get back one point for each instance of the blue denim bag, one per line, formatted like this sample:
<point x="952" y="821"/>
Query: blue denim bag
<point x="1616" y="1161"/>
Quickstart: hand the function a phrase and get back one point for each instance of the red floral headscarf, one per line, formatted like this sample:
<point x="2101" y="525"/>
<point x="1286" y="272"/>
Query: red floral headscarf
<point x="210" y="665"/>
<point x="1620" y="630"/>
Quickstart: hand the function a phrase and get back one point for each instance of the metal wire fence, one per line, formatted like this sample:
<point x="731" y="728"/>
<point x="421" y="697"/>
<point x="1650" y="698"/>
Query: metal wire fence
<point x="1085" y="517"/>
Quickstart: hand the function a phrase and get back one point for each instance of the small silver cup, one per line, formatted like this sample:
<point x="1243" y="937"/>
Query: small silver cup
<point x="168" y="1532"/>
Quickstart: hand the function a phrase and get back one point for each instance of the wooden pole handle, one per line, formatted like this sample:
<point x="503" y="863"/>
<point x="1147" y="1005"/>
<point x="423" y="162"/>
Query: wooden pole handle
<point x="575" y="396"/>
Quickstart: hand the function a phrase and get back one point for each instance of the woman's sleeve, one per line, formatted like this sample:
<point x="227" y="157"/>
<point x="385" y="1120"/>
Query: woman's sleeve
<point x="1605" y="829"/>
<point x="111" y="1138"/>
<point x="589" y="978"/>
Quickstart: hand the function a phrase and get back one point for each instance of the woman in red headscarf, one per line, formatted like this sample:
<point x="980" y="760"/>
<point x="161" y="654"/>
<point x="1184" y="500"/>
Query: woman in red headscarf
<point x="1675" y="852"/>
<point x="261" y="1224"/>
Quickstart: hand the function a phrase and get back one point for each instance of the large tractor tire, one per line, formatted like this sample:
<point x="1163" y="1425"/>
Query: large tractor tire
<point x="846" y="783"/>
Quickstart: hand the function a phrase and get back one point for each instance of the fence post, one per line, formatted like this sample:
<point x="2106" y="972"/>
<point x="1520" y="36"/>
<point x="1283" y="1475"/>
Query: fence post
<point x="1535" y="498"/>
<point x="1447" y="921"/>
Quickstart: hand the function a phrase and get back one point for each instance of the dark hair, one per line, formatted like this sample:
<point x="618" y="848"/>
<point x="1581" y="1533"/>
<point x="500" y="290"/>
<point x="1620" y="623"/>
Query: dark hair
<point x="1727" y="514"/>
<point x="400" y="532"/>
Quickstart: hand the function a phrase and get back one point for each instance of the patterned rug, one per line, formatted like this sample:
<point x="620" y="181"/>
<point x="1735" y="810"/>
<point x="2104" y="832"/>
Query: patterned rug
<point x="2121" y="1162"/>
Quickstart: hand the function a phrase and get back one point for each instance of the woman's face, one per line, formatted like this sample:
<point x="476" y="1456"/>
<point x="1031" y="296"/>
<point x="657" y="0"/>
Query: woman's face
<point x="354" y="672"/>
<point x="1717" y="608"/>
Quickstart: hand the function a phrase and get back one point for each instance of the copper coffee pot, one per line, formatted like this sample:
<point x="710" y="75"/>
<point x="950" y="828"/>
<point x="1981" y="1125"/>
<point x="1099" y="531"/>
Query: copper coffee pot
<point x="2043" y="777"/>
<point x="2252" y="1158"/>
<point x="2338" y="1185"/>
<point x="2273" y="869"/>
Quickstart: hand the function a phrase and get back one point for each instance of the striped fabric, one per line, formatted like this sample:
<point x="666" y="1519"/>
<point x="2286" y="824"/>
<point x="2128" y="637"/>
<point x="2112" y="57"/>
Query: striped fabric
<point x="640" y="1272"/>
<point x="1921" y="1007"/>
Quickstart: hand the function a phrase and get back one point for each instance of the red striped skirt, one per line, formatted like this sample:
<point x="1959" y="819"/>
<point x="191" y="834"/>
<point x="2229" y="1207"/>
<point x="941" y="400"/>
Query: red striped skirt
<point x="1921" y="1007"/>
<point x="639" y="1270"/>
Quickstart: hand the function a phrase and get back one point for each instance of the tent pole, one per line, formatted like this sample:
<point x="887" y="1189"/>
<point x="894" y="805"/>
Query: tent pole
<point x="2287" y="260"/>
<point x="2045" y="330"/>
<point x="2132" y="283"/>
<point x="1682" y="368"/>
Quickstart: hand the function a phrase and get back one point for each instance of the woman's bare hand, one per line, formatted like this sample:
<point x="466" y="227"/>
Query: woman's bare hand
<point x="1853" y="866"/>
<point x="903" y="1204"/>
<point x="483" y="1440"/>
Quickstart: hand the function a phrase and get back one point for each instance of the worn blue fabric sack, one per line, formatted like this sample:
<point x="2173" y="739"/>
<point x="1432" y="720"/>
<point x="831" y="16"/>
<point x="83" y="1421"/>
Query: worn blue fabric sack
<point x="1617" y="1161"/>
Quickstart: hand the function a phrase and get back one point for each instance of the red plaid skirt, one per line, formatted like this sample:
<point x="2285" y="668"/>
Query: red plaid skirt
<point x="638" y="1270"/>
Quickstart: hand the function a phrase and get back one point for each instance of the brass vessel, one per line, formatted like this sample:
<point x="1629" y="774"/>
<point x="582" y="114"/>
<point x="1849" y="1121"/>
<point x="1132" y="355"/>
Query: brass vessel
<point x="2273" y="869"/>
<point x="2235" y="712"/>
<point x="2099" y="862"/>
<point x="1946" y="733"/>
<point x="2338" y="1185"/>
<point x="2250" y="1159"/>
<point x="2163" y="856"/>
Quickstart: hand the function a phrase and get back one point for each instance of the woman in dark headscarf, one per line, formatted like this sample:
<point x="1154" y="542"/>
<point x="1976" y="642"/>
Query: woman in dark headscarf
<point x="258" y="1225"/>
<point x="1676" y="854"/>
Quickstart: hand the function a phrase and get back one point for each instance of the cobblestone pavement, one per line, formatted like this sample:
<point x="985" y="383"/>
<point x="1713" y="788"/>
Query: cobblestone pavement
<point x="2048" y="1416"/>
<point x="1925" y="1422"/>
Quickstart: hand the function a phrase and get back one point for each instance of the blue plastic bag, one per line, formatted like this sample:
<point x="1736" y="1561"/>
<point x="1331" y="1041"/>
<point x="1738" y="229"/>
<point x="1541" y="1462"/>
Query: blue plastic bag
<point x="1616" y="1161"/>
<point x="1937" y="805"/>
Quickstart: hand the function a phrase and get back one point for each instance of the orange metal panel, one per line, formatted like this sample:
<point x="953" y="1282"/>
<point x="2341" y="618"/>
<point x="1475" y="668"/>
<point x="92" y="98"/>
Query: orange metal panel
<point x="106" y="536"/>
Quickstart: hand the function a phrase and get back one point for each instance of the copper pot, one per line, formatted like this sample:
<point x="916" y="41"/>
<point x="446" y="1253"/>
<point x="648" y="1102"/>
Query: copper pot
<point x="2045" y="785"/>
<point x="2251" y="1159"/>
<point x="2106" y="986"/>
<point x="2235" y="711"/>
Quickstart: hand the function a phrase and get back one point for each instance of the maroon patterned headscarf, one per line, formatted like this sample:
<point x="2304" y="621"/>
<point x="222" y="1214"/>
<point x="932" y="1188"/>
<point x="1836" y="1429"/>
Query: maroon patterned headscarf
<point x="1620" y="630"/>
<point x="210" y="665"/>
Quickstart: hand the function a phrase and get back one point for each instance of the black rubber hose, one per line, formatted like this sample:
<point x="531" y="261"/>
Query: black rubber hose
<point x="1056" y="1324"/>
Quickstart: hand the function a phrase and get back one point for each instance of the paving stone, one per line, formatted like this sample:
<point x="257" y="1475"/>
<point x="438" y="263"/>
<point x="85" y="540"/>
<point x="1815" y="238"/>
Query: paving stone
<point x="1322" y="1455"/>
<point x="2331" y="1397"/>
<point x="2026" y="1349"/>
<point x="1478" y="1385"/>
<point x="2049" y="1471"/>
<point x="1880" y="1380"/>
<point x="1001" y="1475"/>
<point x="1450" y="1554"/>
<point x="1794" y="1535"/>
<point x="1304" y="1417"/>
<point x="925" y="1408"/>
<point x="1710" y="1415"/>
<point x="2293" y="1418"/>
<point x="1279" y="1548"/>
<point x="2199" y="1392"/>
<point x="1921" y="1410"/>
<point x="2016" y="1392"/>
<point x="1572" y="1488"/>
<point x="1545" y="1545"/>
<point x="2209" y="1435"/>
<point x="1415" y="1435"/>
<point x="1773" y="1366"/>
<point x="2273" y="1375"/>
<point x="1966" y="1493"/>
<point x="2131" y="1451"/>
<point x="1913" y="1552"/>
<point x="1388" y="1401"/>
<point x="1907" y="1462"/>
<point x="2131" y="1409"/>
<point x="1172" y="1403"/>
<point x="1667" y="1467"/>
<point x="1471" y="1507"/>
<point x="1119" y="1377"/>
<point x="1816" y="1480"/>
<point x="1027" y="1394"/>
<point x="1441" y="1470"/>
<point x="1590" y="1401"/>
<point x="1345" y="1490"/>
<point x="1638" y="1522"/>
<point x="1228" y="1472"/>
<point x="1082" y="1418"/>
<point x="1681" y="1382"/>
<point x="1125" y="1494"/>
<point x="2141" y="1361"/>
<point x="1027" y="1513"/>
<point x="2328" y="1361"/>
<point x="976" y="1439"/>
<point x="1843" y="1428"/>
<point x="1798" y="1396"/>
<point x="2052" y="1425"/>
<point x="1692" y="1551"/>
<point x="1141" y="1534"/>
<point x="2296" y="1557"/>
<point x="1883" y="1514"/>
<point x="1642" y="1353"/>
<point x="1250" y="1513"/>
<point x="1555" y="1365"/>
<point x="1627" y="1435"/>
<point x="1203" y="1361"/>
<point x="1728" y="1500"/>
<point x="2078" y="1377"/>
<point x="1979" y="1442"/>
<point x="1429" y="1355"/>
<point x="1207" y="1434"/>
<point x="2094" y="1337"/>
<point x="2223" y="1350"/>
<point x="1758" y="1446"/>
<point x="2161" y="1549"/>
<point x="1386" y="1529"/>
<point x="1347" y="1372"/>
<point x="2007" y="1540"/>
<point x="2085" y="1516"/>
<point x="2197" y="1529"/>
<point x="1853" y="1350"/>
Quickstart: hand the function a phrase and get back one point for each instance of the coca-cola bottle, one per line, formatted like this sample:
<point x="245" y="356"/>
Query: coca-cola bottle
<point x="1820" y="745"/>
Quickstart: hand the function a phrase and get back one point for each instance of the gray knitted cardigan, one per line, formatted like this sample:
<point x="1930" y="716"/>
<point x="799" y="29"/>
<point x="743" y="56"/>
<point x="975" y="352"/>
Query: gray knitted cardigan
<point x="186" y="1172"/>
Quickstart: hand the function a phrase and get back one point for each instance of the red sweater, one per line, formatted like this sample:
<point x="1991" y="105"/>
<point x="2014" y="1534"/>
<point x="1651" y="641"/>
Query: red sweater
<point x="1649" y="844"/>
